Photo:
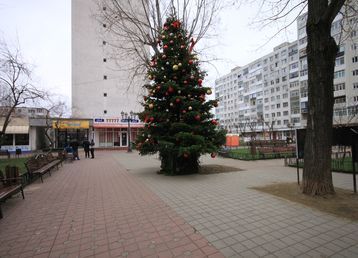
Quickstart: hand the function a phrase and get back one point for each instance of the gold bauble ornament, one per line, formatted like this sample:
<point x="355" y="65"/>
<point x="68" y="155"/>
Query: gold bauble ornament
<point x="151" y="106"/>
<point x="175" y="67"/>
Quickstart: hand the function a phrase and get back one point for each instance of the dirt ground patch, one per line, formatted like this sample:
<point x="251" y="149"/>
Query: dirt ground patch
<point x="343" y="204"/>
<point x="215" y="169"/>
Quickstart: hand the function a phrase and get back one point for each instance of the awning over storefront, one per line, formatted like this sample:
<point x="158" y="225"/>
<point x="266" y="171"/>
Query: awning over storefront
<point x="17" y="125"/>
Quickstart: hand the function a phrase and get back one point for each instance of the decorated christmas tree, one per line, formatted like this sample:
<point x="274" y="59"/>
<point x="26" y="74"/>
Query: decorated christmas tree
<point x="177" y="117"/>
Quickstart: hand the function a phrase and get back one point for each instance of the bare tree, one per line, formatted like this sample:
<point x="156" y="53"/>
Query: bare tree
<point x="135" y="26"/>
<point x="15" y="84"/>
<point x="56" y="109"/>
<point x="322" y="48"/>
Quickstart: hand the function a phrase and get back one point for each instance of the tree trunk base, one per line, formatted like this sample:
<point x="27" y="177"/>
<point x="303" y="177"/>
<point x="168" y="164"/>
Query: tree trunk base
<point x="313" y="188"/>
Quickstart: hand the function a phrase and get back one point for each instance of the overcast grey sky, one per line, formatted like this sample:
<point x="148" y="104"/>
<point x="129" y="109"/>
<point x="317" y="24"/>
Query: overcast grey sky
<point x="42" y="28"/>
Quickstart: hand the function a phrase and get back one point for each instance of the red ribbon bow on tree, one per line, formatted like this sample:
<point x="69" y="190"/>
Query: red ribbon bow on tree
<point x="192" y="45"/>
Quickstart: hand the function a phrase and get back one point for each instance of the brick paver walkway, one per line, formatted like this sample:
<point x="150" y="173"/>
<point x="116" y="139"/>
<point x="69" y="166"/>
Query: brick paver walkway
<point x="242" y="222"/>
<point x="95" y="208"/>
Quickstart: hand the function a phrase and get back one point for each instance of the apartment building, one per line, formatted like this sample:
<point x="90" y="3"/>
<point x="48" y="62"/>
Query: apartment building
<point x="101" y="88"/>
<point x="269" y="96"/>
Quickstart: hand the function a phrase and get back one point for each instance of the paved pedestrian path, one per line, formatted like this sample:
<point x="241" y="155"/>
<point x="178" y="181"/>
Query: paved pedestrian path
<point x="242" y="222"/>
<point x="95" y="208"/>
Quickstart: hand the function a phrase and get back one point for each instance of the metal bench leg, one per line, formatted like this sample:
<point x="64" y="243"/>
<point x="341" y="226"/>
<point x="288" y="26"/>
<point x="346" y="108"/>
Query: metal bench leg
<point x="22" y="192"/>
<point x="1" y="216"/>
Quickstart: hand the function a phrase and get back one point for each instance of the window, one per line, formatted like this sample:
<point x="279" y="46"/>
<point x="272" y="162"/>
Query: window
<point x="104" y="60"/>
<point x="104" y="77"/>
<point x="293" y="66"/>
<point x="295" y="120"/>
<point x="353" y="33"/>
<point x="104" y="111"/>
<point x="284" y="78"/>
<point x="105" y="94"/>
<point x="272" y="98"/>
<point x="339" y="74"/>
<point x="340" y="100"/>
<point x="8" y="139"/>
<point x="285" y="95"/>
<point x="340" y="61"/>
<point x="293" y="75"/>
<point x="278" y="105"/>
<point x="339" y="86"/>
<point x="355" y="85"/>
<point x="272" y="90"/>
<point x="285" y="122"/>
<point x="104" y="25"/>
<point x="21" y="139"/>
<point x="272" y="106"/>
<point x="285" y="113"/>
<point x="273" y="114"/>
<point x="355" y="98"/>
<point x="278" y="114"/>
<point x="278" y="88"/>
<point x="355" y="59"/>
<point x="285" y="104"/>
<point x="104" y="8"/>
<point x="355" y="72"/>
<point x="104" y="42"/>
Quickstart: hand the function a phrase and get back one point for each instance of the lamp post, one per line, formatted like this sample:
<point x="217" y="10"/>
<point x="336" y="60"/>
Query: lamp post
<point x="128" y="118"/>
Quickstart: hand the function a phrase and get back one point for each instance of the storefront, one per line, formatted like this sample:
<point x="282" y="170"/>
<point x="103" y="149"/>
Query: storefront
<point x="114" y="132"/>
<point x="17" y="135"/>
<point x="68" y="130"/>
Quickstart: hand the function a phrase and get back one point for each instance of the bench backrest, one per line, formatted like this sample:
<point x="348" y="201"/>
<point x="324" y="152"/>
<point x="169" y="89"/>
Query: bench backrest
<point x="11" y="176"/>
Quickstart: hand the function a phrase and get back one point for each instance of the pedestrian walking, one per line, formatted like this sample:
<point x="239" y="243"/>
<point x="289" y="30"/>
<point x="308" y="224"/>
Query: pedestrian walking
<point x="86" y="147"/>
<point x="92" y="149"/>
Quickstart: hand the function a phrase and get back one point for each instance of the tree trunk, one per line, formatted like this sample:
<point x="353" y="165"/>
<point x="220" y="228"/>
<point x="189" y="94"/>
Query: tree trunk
<point x="321" y="54"/>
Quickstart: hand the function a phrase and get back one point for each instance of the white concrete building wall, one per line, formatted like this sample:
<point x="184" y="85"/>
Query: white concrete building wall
<point x="99" y="88"/>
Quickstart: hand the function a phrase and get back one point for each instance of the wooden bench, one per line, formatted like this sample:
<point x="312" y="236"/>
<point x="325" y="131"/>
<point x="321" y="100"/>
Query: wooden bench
<point x="5" y="153"/>
<point x="11" y="183"/>
<point x="42" y="164"/>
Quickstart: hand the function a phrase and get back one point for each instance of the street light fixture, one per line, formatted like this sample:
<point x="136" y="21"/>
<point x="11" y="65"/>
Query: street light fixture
<point x="128" y="118"/>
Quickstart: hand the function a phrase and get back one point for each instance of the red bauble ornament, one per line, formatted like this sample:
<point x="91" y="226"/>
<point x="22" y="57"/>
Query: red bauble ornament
<point x="182" y="46"/>
<point x="197" y="117"/>
<point x="151" y="119"/>
<point x="171" y="42"/>
<point x="184" y="111"/>
<point x="213" y="155"/>
<point x="176" y="24"/>
<point x="177" y="100"/>
<point x="145" y="98"/>
<point x="167" y="94"/>
<point x="164" y="56"/>
<point x="170" y="89"/>
<point x="214" y="122"/>
<point x="166" y="27"/>
<point x="200" y="82"/>
<point x="185" y="82"/>
<point x="191" y="62"/>
<point x="185" y="155"/>
<point x="165" y="47"/>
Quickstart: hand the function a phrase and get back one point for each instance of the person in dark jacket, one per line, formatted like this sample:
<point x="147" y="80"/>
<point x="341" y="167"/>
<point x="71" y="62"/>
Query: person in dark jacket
<point x="74" y="146"/>
<point x="86" y="147"/>
<point x="92" y="149"/>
